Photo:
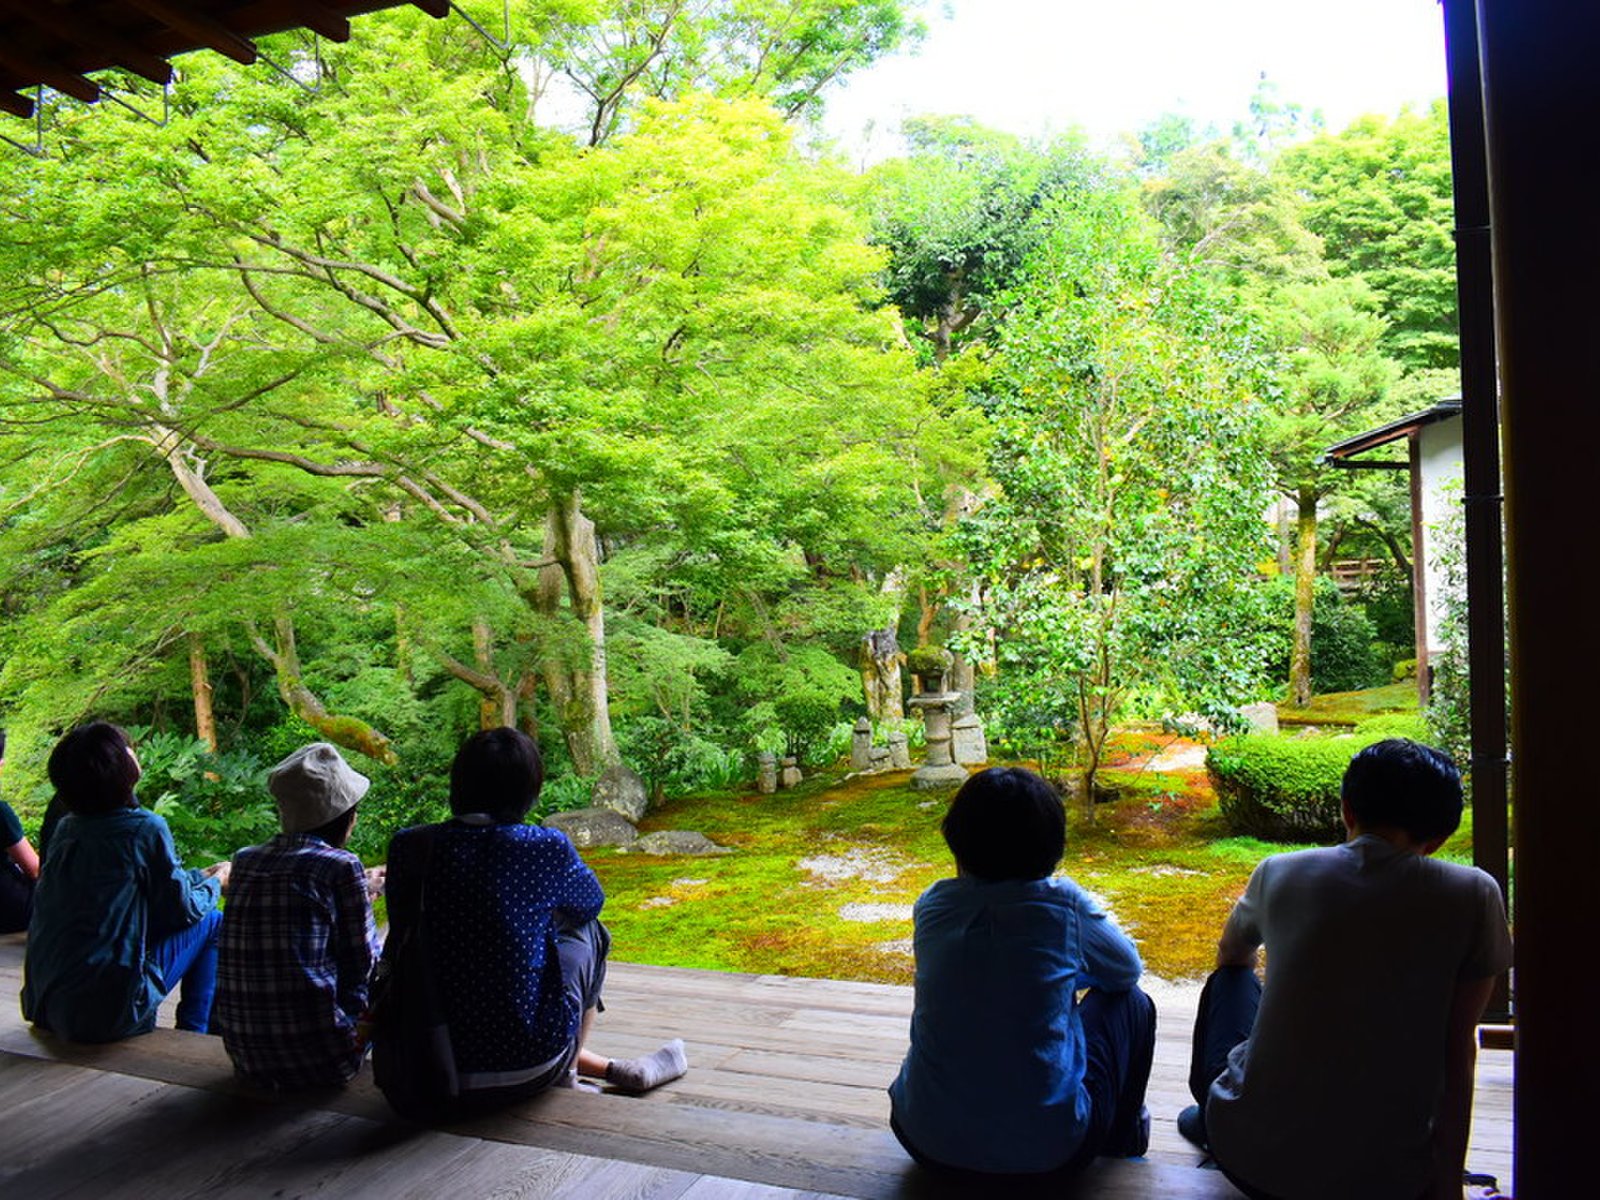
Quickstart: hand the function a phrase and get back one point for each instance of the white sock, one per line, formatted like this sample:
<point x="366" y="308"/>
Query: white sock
<point x="650" y="1070"/>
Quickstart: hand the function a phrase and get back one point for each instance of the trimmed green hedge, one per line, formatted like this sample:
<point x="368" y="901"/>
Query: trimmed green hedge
<point x="1287" y="789"/>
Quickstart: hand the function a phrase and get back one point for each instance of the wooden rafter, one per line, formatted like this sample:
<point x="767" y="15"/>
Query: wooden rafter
<point x="59" y="43"/>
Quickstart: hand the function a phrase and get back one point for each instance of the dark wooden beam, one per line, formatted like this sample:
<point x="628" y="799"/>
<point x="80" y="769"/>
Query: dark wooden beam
<point x="201" y="29"/>
<point x="16" y="104"/>
<point x="65" y="82"/>
<point x="437" y="9"/>
<point x="323" y="22"/>
<point x="89" y="37"/>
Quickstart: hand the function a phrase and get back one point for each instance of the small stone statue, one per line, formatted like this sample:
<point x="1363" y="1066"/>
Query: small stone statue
<point x="861" y="746"/>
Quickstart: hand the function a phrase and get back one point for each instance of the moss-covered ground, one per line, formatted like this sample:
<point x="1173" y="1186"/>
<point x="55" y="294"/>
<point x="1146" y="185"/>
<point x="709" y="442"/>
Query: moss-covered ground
<point x="1348" y="708"/>
<point x="805" y="860"/>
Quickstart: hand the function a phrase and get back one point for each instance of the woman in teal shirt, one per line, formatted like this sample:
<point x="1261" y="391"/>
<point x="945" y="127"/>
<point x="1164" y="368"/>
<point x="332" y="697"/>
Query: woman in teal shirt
<point x="118" y="921"/>
<point x="19" y="865"/>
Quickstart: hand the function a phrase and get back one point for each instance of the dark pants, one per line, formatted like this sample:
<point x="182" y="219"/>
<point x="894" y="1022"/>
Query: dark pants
<point x="1119" y="1038"/>
<point x="16" y="897"/>
<point x="583" y="950"/>
<point x="1227" y="1014"/>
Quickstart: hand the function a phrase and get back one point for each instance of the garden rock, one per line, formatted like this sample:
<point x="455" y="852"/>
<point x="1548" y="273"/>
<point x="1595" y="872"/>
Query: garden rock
<point x="593" y="827"/>
<point x="791" y="775"/>
<point x="899" y="750"/>
<point x="967" y="742"/>
<point x="622" y="791"/>
<point x="767" y="772"/>
<point x="937" y="779"/>
<point x="676" y="842"/>
<point x="861" y="746"/>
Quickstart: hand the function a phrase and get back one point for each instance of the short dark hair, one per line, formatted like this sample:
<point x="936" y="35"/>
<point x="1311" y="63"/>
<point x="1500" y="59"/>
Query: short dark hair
<point x="499" y="772"/>
<point x="93" y="769"/>
<point x="1401" y="784"/>
<point x="337" y="831"/>
<point x="1006" y="823"/>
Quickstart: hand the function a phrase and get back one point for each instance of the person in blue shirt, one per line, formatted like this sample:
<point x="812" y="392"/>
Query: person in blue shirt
<point x="513" y="915"/>
<point x="118" y="920"/>
<point x="1008" y="1073"/>
<point x="19" y="865"/>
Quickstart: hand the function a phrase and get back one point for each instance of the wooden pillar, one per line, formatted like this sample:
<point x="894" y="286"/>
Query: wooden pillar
<point x="1541" y="107"/>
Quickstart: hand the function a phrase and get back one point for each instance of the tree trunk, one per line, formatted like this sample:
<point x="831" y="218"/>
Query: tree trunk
<point x="578" y="690"/>
<point x="527" y="689"/>
<point x="404" y="651"/>
<point x="349" y="732"/>
<point x="1305" y="593"/>
<point x="963" y="671"/>
<point x="1285" y="538"/>
<point x="880" y="675"/>
<point x="497" y="704"/>
<point x="205" y="717"/>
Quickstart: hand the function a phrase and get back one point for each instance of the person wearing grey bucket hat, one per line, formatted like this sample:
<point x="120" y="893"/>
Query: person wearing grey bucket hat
<point x="314" y="785"/>
<point x="298" y="942"/>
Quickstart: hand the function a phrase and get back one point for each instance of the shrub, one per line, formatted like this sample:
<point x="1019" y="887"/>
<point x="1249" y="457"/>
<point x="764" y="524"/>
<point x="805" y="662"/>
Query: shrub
<point x="1393" y="725"/>
<point x="791" y="703"/>
<point x="1387" y="601"/>
<point x="1345" y="656"/>
<point x="1287" y="789"/>
<point x="214" y="803"/>
<point x="562" y="793"/>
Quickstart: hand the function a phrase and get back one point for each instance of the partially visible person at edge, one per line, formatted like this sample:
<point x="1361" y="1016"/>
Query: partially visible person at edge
<point x="19" y="866"/>
<point x="513" y="913"/>
<point x="298" y="944"/>
<point x="1008" y="1075"/>
<point x="1350" y="1073"/>
<point x="118" y="921"/>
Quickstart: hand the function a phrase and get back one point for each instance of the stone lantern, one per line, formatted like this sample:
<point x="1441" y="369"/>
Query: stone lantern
<point x="939" y="769"/>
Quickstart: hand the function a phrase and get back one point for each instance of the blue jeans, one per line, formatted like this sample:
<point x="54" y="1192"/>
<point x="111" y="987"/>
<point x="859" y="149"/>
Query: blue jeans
<point x="189" y="957"/>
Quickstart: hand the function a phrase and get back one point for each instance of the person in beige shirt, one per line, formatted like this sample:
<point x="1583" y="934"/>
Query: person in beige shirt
<point x="1350" y="1071"/>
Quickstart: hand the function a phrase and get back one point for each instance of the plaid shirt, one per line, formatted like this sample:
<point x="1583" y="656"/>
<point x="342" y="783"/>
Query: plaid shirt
<point x="294" y="960"/>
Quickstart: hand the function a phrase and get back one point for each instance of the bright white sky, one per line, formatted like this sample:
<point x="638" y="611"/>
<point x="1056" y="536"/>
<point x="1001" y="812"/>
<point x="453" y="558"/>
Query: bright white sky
<point x="1039" y="66"/>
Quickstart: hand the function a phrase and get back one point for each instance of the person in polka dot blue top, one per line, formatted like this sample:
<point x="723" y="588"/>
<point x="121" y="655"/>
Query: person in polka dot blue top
<point x="513" y="913"/>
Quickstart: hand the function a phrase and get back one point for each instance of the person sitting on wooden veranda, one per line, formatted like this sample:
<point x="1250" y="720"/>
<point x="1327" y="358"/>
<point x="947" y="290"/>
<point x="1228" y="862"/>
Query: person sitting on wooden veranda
<point x="118" y="920"/>
<point x="512" y="921"/>
<point x="298" y="943"/>
<point x="1007" y="1075"/>
<point x="19" y="866"/>
<point x="1351" y="1073"/>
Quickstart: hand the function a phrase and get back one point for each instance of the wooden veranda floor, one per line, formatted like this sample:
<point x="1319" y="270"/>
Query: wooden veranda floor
<point x="785" y="1095"/>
